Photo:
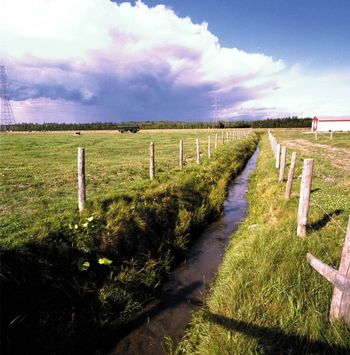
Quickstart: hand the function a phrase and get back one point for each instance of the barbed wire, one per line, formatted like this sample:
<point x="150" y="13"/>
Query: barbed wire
<point x="323" y="210"/>
<point x="312" y="201"/>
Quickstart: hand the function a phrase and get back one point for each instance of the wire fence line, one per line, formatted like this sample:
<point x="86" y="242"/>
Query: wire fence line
<point x="231" y="135"/>
<point x="328" y="215"/>
<point x="276" y="149"/>
<point x="339" y="278"/>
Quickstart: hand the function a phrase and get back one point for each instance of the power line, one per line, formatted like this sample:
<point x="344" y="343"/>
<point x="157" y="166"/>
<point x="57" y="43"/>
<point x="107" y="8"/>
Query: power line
<point x="7" y="117"/>
<point x="215" y="107"/>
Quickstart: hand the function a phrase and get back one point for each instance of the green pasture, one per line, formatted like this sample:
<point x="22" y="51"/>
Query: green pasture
<point x="38" y="171"/>
<point x="266" y="298"/>
<point x="71" y="287"/>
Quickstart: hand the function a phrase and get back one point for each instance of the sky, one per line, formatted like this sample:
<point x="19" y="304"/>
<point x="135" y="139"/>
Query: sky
<point x="102" y="60"/>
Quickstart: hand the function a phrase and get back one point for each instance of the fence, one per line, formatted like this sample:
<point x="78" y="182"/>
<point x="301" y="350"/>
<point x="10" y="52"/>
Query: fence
<point x="230" y="135"/>
<point x="331" y="132"/>
<point x="340" y="304"/>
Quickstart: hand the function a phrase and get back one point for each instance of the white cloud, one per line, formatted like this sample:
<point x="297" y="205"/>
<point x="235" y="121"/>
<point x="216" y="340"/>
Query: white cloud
<point x="121" y="55"/>
<point x="302" y="94"/>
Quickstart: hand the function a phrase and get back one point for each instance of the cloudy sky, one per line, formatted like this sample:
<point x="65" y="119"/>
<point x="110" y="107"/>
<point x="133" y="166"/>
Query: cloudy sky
<point x="98" y="60"/>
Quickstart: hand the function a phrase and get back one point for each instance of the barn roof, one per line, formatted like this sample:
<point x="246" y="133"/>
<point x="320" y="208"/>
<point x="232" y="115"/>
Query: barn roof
<point x="332" y="119"/>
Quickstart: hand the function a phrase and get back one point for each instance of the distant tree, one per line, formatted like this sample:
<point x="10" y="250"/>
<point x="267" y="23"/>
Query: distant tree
<point x="287" y="122"/>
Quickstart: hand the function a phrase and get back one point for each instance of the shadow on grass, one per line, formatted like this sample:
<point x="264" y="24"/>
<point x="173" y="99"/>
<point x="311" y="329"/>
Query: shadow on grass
<point x="315" y="190"/>
<point x="325" y="219"/>
<point x="274" y="341"/>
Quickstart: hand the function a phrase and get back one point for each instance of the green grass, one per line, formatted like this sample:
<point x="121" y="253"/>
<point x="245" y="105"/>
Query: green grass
<point x="38" y="181"/>
<point x="86" y="275"/>
<point x="266" y="298"/>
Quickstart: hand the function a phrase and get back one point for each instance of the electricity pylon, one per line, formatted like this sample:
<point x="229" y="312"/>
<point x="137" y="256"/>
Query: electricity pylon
<point x="215" y="110"/>
<point x="7" y="117"/>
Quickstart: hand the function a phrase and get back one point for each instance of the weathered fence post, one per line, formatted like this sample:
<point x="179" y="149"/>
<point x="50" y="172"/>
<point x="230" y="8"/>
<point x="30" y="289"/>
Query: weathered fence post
<point x="340" y="305"/>
<point x="181" y="157"/>
<point x="222" y="138"/>
<point x="198" y="160"/>
<point x="81" y="179"/>
<point x="151" y="161"/>
<point x="316" y="135"/>
<point x="216" y="141"/>
<point x="291" y="176"/>
<point x="277" y="157"/>
<point x="209" y="147"/>
<point x="331" y="134"/>
<point x="304" y="199"/>
<point x="227" y="136"/>
<point x="283" y="163"/>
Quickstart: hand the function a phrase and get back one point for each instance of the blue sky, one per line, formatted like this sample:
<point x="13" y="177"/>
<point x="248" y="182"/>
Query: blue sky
<point x="314" y="32"/>
<point x="298" y="30"/>
<point x="92" y="60"/>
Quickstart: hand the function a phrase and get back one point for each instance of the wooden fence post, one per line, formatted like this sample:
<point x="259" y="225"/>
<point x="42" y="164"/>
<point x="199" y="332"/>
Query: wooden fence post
<point x="222" y="138"/>
<point x="216" y="141"/>
<point x="291" y="176"/>
<point x="277" y="157"/>
<point x="181" y="157"/>
<point x="227" y="136"/>
<point x="316" y="135"/>
<point x="198" y="160"/>
<point x="340" y="305"/>
<point x="209" y="147"/>
<point x="304" y="199"/>
<point x="81" y="179"/>
<point x="151" y="161"/>
<point x="331" y="134"/>
<point x="283" y="163"/>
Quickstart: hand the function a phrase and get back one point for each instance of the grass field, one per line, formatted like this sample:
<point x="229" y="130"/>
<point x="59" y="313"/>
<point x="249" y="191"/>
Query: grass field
<point x="70" y="287"/>
<point x="39" y="175"/>
<point x="266" y="298"/>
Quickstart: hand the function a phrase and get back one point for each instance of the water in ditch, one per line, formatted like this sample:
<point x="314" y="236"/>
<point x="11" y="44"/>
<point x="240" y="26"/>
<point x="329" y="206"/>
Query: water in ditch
<point x="187" y="285"/>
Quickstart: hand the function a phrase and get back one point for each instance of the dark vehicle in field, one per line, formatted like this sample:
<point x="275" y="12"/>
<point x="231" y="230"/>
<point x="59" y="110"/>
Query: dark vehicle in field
<point x="131" y="129"/>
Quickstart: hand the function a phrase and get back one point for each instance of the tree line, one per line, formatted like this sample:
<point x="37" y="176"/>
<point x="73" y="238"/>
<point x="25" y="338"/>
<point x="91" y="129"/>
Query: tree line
<point x="287" y="122"/>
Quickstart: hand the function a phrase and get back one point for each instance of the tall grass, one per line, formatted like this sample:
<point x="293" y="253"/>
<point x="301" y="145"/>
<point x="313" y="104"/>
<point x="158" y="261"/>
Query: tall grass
<point x="266" y="298"/>
<point x="92" y="273"/>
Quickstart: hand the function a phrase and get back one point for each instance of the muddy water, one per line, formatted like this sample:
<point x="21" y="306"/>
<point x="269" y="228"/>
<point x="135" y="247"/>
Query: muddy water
<point x="184" y="292"/>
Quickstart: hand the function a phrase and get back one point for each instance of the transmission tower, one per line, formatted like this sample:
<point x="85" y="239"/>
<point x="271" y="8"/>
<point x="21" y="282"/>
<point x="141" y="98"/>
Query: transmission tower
<point x="7" y="117"/>
<point x="215" y="107"/>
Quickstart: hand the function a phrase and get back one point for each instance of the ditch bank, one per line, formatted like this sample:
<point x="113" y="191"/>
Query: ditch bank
<point x="163" y="323"/>
<point x="266" y="299"/>
<point x="70" y="291"/>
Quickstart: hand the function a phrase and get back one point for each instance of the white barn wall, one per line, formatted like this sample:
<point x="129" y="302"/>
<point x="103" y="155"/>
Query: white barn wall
<point x="327" y="125"/>
<point x="333" y="126"/>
